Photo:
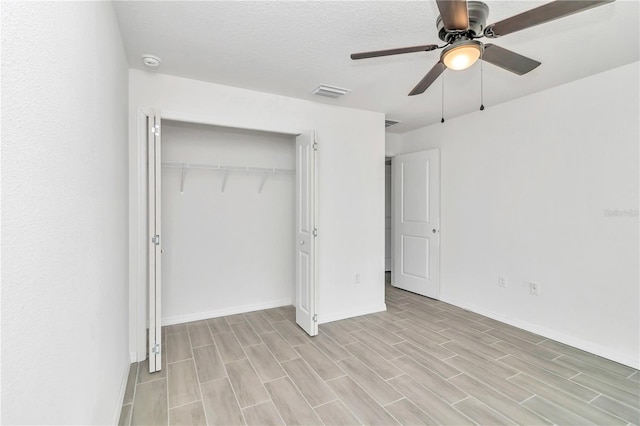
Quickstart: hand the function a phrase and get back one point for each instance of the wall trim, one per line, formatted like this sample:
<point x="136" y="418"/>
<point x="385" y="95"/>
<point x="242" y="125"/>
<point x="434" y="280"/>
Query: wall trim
<point x="123" y="389"/>
<point x="350" y="314"/>
<point x="180" y="319"/>
<point x="584" y="345"/>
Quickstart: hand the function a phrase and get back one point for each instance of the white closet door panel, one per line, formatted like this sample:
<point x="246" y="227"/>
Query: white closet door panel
<point x="306" y="233"/>
<point x="155" y="240"/>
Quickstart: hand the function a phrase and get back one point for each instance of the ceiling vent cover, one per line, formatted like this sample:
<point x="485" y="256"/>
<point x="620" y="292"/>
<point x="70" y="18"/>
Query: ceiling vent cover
<point x="330" y="91"/>
<point x="389" y="123"/>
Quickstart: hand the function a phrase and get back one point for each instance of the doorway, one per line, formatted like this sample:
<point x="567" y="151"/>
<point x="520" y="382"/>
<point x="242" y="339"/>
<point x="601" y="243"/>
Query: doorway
<point x="416" y="222"/>
<point x="223" y="203"/>
<point x="388" y="258"/>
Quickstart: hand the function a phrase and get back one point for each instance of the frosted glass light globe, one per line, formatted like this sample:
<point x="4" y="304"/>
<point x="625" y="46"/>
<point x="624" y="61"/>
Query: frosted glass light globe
<point x="461" y="57"/>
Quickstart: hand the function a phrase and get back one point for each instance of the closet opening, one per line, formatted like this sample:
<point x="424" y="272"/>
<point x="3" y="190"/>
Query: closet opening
<point x="231" y="224"/>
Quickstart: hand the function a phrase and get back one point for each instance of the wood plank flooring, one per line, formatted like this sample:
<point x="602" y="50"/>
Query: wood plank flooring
<point x="420" y="362"/>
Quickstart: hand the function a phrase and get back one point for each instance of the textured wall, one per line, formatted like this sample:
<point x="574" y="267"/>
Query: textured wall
<point x="526" y="187"/>
<point x="350" y="177"/>
<point x="64" y="213"/>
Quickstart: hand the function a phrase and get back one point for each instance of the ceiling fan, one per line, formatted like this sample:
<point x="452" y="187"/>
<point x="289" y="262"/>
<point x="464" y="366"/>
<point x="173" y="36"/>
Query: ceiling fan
<point x="461" y="23"/>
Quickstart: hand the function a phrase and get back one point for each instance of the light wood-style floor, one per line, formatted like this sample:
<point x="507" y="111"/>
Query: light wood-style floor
<point x="421" y="362"/>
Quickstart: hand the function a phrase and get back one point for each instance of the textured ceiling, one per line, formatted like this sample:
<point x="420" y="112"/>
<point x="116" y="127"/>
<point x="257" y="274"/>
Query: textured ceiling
<point x="289" y="48"/>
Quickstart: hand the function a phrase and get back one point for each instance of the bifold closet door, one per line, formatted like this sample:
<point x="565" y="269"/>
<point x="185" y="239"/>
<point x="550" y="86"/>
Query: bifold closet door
<point x="306" y="233"/>
<point x="155" y="247"/>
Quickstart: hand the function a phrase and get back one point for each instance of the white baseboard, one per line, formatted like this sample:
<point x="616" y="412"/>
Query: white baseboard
<point x="180" y="319"/>
<point x="336" y="316"/>
<point x="123" y="389"/>
<point x="605" y="352"/>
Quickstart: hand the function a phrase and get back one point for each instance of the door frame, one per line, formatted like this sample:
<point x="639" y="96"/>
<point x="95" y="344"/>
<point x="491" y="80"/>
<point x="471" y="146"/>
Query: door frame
<point x="138" y="198"/>
<point x="387" y="163"/>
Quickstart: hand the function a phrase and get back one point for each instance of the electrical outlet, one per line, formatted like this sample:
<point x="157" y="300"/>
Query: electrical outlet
<point x="534" y="289"/>
<point x="357" y="279"/>
<point x="502" y="281"/>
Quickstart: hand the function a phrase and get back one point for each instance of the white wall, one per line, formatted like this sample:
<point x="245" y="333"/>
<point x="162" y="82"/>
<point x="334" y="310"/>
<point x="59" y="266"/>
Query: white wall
<point x="226" y="252"/>
<point x="525" y="187"/>
<point x="64" y="214"/>
<point x="393" y="144"/>
<point x="351" y="180"/>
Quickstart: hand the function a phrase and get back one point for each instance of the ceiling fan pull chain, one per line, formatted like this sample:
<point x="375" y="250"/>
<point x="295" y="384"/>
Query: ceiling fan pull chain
<point x="442" y="103"/>
<point x="481" y="81"/>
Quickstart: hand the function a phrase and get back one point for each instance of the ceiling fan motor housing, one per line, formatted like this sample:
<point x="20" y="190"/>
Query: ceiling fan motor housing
<point x="478" y="14"/>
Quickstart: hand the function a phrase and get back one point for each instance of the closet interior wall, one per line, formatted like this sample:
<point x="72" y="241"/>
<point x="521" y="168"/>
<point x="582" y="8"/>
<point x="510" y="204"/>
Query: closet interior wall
<point x="228" y="247"/>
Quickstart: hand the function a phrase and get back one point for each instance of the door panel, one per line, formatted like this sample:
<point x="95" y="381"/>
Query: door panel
<point x="416" y="222"/>
<point x="415" y="194"/>
<point x="155" y="248"/>
<point x="306" y="233"/>
<point x="414" y="251"/>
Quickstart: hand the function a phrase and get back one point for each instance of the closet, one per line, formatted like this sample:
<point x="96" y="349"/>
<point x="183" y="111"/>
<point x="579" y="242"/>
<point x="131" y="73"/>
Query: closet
<point x="231" y="224"/>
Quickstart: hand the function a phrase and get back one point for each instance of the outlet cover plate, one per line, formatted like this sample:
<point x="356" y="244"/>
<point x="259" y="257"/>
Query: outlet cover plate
<point x="502" y="281"/>
<point x="534" y="289"/>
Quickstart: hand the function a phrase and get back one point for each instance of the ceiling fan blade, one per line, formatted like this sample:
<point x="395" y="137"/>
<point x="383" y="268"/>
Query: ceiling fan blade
<point x="428" y="79"/>
<point x="454" y="14"/>
<point x="508" y="60"/>
<point x="387" y="52"/>
<point x="540" y="15"/>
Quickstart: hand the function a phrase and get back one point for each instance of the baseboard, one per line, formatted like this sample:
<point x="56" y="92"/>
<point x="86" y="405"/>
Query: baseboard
<point x="324" y="318"/>
<point x="133" y="357"/>
<point x="123" y="389"/>
<point x="595" y="349"/>
<point x="180" y="319"/>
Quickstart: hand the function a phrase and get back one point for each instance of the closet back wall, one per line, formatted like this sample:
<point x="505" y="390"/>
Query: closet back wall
<point x="226" y="252"/>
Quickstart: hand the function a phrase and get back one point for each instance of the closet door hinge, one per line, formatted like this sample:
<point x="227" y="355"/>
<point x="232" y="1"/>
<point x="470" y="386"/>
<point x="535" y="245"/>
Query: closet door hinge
<point x="315" y="232"/>
<point x="156" y="240"/>
<point x="155" y="349"/>
<point x="156" y="130"/>
<point x="315" y="318"/>
<point x="315" y="146"/>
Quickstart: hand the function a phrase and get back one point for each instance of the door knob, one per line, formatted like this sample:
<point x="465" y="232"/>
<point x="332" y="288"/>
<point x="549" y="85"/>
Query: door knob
<point x="434" y="231"/>
<point x="302" y="242"/>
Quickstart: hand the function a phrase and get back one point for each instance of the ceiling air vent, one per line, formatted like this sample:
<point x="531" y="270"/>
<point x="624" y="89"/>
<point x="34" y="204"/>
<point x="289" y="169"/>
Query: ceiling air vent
<point x="330" y="91"/>
<point x="389" y="123"/>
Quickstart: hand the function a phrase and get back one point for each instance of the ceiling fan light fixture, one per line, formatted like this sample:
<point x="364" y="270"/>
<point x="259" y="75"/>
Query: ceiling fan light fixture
<point x="461" y="56"/>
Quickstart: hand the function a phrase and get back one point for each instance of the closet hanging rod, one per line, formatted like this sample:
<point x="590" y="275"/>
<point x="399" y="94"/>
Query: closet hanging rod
<point x="220" y="167"/>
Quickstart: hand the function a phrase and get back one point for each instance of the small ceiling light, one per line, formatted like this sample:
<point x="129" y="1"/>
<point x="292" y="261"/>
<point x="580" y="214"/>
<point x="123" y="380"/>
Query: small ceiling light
<point x="151" y="61"/>
<point x="330" y="91"/>
<point x="460" y="56"/>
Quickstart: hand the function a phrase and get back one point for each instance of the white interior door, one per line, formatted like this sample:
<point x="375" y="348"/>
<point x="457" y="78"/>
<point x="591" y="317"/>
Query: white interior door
<point x="306" y="233"/>
<point x="416" y="222"/>
<point x="155" y="248"/>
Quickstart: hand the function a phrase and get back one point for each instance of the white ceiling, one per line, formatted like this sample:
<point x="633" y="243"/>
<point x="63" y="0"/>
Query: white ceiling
<point x="289" y="48"/>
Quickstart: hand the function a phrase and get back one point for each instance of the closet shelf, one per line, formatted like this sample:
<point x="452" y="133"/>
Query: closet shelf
<point x="224" y="168"/>
<point x="264" y="171"/>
